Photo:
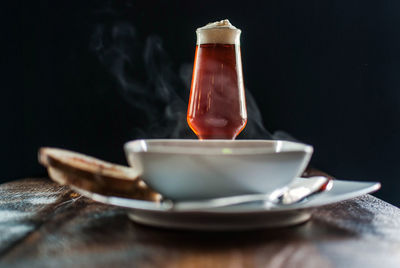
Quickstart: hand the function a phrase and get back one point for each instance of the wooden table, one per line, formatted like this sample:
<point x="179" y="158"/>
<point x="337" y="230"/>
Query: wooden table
<point x="46" y="225"/>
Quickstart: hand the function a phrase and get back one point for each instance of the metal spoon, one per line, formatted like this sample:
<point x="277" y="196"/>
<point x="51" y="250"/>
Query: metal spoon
<point x="296" y="192"/>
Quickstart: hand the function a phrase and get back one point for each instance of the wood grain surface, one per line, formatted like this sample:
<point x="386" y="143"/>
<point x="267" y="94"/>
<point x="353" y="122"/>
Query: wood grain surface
<point x="46" y="225"/>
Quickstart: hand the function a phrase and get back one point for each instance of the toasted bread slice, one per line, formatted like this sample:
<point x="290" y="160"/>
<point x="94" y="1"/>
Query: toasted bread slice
<point x="91" y="174"/>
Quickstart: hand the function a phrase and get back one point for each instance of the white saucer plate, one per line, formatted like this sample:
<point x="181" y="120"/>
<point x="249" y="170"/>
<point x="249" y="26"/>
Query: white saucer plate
<point x="238" y="217"/>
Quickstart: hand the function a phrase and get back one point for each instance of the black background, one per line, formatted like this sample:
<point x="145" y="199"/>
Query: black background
<point x="327" y="72"/>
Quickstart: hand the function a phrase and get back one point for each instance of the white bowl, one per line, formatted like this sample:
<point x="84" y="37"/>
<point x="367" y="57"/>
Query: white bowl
<point x="194" y="169"/>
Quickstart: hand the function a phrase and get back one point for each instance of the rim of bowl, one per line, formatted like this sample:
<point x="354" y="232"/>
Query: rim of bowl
<point x="221" y="148"/>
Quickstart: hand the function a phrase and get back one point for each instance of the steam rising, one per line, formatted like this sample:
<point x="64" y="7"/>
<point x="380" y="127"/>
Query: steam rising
<point x="159" y="95"/>
<point x="162" y="93"/>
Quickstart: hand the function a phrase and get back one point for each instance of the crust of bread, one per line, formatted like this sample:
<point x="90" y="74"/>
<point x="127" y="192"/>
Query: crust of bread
<point x="94" y="175"/>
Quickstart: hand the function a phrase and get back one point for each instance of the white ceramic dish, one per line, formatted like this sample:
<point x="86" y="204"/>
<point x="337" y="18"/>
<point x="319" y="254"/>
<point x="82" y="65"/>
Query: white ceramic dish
<point x="240" y="217"/>
<point x="193" y="169"/>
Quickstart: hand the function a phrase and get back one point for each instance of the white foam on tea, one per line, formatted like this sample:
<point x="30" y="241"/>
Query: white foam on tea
<point x="219" y="32"/>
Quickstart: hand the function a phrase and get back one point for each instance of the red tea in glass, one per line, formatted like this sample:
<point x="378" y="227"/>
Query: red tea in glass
<point x="217" y="105"/>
